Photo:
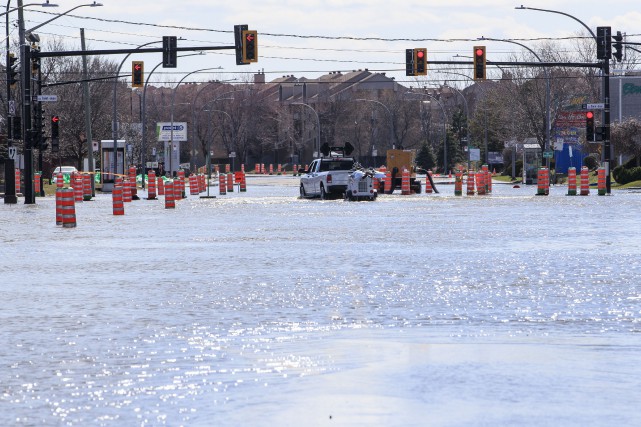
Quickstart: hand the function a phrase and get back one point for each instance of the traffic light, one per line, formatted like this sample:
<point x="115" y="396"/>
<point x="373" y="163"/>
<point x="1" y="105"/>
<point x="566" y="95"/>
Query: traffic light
<point x="55" y="142"/>
<point x="250" y="46"/>
<point x="13" y="70"/>
<point x="420" y="61"/>
<point x="589" y="126"/>
<point x="618" y="46"/>
<point x="16" y="128"/>
<point x="238" y="38"/>
<point x="479" y="62"/>
<point x="603" y="42"/>
<point x="409" y="62"/>
<point x="55" y="130"/>
<point x="169" y="52"/>
<point x="137" y="73"/>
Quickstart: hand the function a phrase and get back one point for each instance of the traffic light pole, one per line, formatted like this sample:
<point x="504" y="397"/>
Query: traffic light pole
<point x="9" y="164"/>
<point x="25" y="66"/>
<point x="607" y="155"/>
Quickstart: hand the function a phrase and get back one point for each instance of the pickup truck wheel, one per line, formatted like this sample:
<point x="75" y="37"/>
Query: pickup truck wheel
<point x="323" y="194"/>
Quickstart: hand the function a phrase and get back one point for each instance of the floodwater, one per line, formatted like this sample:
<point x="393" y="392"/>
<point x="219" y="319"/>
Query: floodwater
<point x="263" y="309"/>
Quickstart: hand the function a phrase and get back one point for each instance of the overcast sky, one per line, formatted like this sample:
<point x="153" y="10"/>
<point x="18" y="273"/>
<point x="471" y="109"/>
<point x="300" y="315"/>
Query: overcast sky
<point x="306" y="38"/>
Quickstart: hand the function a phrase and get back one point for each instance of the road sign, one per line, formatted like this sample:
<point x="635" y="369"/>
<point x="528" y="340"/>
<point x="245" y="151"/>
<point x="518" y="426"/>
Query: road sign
<point x="47" y="98"/>
<point x="548" y="154"/>
<point x="12" y="107"/>
<point x="232" y="154"/>
<point x="13" y="153"/>
<point x="596" y="106"/>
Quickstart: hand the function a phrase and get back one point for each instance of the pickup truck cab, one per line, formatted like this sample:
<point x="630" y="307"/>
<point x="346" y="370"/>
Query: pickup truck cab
<point x="326" y="177"/>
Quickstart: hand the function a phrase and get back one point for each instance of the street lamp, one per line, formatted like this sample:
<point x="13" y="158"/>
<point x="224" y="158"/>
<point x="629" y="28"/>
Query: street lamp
<point x="143" y="149"/>
<point x="173" y="97"/>
<point x="444" y="124"/>
<point x="10" y="192"/>
<point x="233" y="131"/>
<point x="318" y="133"/>
<point x="391" y="118"/>
<point x="546" y="143"/>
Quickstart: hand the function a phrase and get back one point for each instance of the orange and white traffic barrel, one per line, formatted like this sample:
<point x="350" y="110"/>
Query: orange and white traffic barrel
<point x="58" y="206"/>
<point x="78" y="190"/>
<point x="230" y="182"/>
<point x="181" y="185"/>
<point x="132" y="182"/>
<point x="540" y="178"/>
<point x="170" y="202"/>
<point x="60" y="180"/>
<point x="243" y="183"/>
<point x="161" y="185"/>
<point x="572" y="181"/>
<point x="470" y="183"/>
<point x="387" y="184"/>
<point x="126" y="191"/>
<point x="428" y="182"/>
<point x="458" y="183"/>
<point x="68" y="208"/>
<point x="480" y="183"/>
<point x="193" y="185"/>
<point x="86" y="186"/>
<point x="222" y="183"/>
<point x="585" y="181"/>
<point x="601" y="184"/>
<point x="36" y="182"/>
<point x="405" y="182"/>
<point x="17" y="175"/>
<point x="117" y="202"/>
<point x="151" y="185"/>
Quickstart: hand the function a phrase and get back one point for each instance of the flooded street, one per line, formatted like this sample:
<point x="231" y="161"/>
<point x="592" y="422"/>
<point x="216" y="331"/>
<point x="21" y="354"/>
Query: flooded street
<point x="264" y="309"/>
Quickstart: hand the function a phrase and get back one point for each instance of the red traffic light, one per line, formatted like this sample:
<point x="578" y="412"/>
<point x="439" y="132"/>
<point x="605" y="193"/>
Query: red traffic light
<point x="589" y="115"/>
<point x="479" y="52"/>
<point x="420" y="54"/>
<point x="250" y="37"/>
<point x="137" y="67"/>
<point x="55" y="119"/>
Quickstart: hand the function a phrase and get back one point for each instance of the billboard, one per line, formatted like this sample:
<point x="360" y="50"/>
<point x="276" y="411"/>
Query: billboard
<point x="164" y="133"/>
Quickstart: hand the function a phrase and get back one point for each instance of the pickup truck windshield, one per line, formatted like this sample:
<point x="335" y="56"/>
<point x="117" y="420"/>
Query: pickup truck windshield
<point x="336" y="165"/>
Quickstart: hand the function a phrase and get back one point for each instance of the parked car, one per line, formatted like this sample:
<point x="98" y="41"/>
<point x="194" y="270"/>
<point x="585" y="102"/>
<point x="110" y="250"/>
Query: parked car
<point x="66" y="173"/>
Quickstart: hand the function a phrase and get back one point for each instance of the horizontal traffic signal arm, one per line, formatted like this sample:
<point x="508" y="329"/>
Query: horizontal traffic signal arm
<point x="63" y="53"/>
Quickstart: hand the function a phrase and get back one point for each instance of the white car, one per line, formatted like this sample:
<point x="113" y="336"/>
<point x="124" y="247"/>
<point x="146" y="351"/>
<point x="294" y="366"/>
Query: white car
<point x="66" y="172"/>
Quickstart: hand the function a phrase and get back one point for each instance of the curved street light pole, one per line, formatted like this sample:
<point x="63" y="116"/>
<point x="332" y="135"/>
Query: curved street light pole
<point x="194" y="117"/>
<point x="173" y="98"/>
<point x="233" y="137"/>
<point x="546" y="143"/>
<point x="318" y="132"/>
<point x="606" y="95"/>
<point x="391" y="118"/>
<point x="444" y="125"/>
<point x="114" y="122"/>
<point x="143" y="151"/>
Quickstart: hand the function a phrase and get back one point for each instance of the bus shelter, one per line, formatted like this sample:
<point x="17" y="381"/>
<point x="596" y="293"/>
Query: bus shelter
<point x="111" y="164"/>
<point x="532" y="161"/>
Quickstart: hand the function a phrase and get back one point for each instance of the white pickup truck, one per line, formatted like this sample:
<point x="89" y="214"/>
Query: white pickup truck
<point x="326" y="177"/>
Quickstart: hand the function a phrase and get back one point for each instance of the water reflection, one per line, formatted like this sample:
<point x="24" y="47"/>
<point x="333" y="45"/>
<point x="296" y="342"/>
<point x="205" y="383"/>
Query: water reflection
<point x="264" y="309"/>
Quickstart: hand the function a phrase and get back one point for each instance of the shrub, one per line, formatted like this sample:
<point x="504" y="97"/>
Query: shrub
<point x="623" y="175"/>
<point x="591" y="162"/>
